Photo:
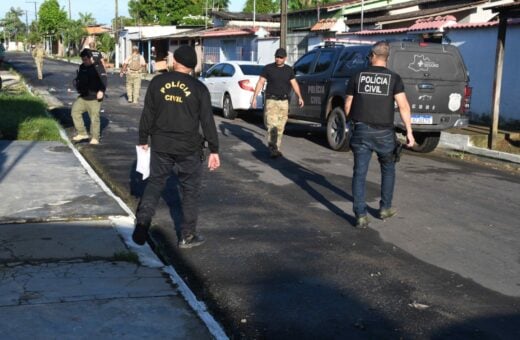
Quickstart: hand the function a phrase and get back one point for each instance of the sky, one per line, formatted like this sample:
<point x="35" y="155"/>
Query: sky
<point x="98" y="8"/>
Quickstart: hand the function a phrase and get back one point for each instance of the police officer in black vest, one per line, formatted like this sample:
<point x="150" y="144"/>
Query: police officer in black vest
<point x="176" y="106"/>
<point x="370" y="104"/>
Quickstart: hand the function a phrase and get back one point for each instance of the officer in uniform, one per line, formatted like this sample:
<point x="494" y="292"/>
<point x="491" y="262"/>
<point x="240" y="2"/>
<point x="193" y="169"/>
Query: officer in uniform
<point x="370" y="104"/>
<point x="133" y="68"/>
<point x="98" y="57"/>
<point x="280" y="79"/>
<point x="176" y="106"/>
<point x="91" y="82"/>
<point x="38" y="53"/>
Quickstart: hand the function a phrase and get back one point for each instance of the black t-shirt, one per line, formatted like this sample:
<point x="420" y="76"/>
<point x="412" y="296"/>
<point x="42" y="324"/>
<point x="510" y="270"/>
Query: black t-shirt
<point x="91" y="79"/>
<point x="278" y="79"/>
<point x="373" y="91"/>
<point x="97" y="56"/>
<point x="175" y="106"/>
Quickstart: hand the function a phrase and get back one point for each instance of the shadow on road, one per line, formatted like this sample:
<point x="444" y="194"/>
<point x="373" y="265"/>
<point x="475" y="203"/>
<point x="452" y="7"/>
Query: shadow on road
<point x="305" y="178"/>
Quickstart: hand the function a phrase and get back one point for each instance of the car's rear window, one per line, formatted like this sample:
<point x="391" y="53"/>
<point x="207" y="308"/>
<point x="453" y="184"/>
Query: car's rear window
<point x="251" y="70"/>
<point x="435" y="65"/>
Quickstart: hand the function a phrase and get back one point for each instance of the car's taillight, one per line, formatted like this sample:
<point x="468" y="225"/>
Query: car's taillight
<point x="467" y="99"/>
<point x="246" y="85"/>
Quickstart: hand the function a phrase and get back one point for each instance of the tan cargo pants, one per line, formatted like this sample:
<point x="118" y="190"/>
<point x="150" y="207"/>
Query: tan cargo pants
<point x="39" y="67"/>
<point x="275" y="117"/>
<point x="133" y="86"/>
<point x="92" y="107"/>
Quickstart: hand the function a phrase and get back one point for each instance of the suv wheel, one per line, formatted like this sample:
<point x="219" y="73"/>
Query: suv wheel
<point x="426" y="141"/>
<point x="227" y="108"/>
<point x="336" y="130"/>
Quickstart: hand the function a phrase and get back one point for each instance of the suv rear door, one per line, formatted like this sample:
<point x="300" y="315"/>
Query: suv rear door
<point x="434" y="76"/>
<point x="313" y="75"/>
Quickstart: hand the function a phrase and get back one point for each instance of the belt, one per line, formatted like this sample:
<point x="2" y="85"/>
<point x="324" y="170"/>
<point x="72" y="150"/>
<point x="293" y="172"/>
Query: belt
<point x="277" y="97"/>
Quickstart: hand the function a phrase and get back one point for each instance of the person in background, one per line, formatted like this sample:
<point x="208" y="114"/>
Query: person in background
<point x="98" y="57"/>
<point x="133" y="67"/>
<point x="280" y="78"/>
<point x="370" y="104"/>
<point x="153" y="57"/>
<point x="38" y="54"/>
<point x="176" y="106"/>
<point x="91" y="84"/>
<point x="2" y="52"/>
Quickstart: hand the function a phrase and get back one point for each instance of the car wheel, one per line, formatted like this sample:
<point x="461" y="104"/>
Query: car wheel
<point x="336" y="130"/>
<point x="227" y="108"/>
<point x="426" y="141"/>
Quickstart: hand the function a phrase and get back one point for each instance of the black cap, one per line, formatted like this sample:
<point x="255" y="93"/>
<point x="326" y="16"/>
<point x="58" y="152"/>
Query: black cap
<point x="186" y="56"/>
<point x="280" y="53"/>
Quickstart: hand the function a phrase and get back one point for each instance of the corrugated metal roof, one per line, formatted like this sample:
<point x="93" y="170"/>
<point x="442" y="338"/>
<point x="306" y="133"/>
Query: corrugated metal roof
<point x="474" y="25"/>
<point x="483" y="24"/>
<point x="377" y="32"/>
<point x="324" y="25"/>
<point x="227" y="31"/>
<point x="433" y="23"/>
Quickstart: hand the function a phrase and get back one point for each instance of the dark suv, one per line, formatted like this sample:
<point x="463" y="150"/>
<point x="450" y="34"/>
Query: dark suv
<point x="434" y="75"/>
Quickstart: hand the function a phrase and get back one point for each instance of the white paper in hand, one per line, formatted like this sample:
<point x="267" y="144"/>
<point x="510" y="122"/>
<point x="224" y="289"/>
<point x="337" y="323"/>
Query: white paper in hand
<point x="143" y="161"/>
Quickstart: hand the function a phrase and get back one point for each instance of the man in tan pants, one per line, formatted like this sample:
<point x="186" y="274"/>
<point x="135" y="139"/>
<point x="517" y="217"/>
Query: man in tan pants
<point x="280" y="79"/>
<point x="133" y="68"/>
<point x="38" y="53"/>
<point x="90" y="82"/>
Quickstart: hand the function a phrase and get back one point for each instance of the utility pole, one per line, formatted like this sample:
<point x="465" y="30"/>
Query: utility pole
<point x="35" y="11"/>
<point x="116" y="36"/>
<point x="26" y="23"/>
<point x="70" y="17"/>
<point x="362" y="12"/>
<point x="283" y="23"/>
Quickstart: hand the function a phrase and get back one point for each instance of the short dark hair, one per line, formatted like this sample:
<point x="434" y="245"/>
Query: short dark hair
<point x="381" y="49"/>
<point x="86" y="53"/>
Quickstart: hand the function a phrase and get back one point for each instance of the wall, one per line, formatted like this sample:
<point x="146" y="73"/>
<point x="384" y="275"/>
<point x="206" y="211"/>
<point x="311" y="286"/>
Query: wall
<point x="478" y="48"/>
<point x="266" y="49"/>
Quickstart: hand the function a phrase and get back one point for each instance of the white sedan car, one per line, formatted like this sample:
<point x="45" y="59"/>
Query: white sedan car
<point x="231" y="85"/>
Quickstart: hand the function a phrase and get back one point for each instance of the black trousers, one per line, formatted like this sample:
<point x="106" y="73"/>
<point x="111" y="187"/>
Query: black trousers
<point x="189" y="174"/>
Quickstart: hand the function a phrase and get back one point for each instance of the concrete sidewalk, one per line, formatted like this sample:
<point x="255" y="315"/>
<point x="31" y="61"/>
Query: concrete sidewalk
<point x="68" y="268"/>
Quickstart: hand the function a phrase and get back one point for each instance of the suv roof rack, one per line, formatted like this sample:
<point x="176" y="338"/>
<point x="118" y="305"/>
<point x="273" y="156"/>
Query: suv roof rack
<point x="330" y="42"/>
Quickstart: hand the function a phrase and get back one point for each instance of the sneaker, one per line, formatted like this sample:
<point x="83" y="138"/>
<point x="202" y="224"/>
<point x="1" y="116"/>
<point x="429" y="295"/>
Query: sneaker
<point x="275" y="153"/>
<point x="78" y="138"/>
<point x="362" y="222"/>
<point x="387" y="213"/>
<point x="140" y="233"/>
<point x="191" y="241"/>
<point x="94" y="141"/>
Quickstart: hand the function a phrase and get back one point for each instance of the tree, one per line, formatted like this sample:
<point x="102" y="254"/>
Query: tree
<point x="306" y="4"/>
<point x="194" y="20"/>
<point x="13" y="26"/>
<point x="74" y="34"/>
<point x="262" y="6"/>
<point x="86" y="19"/>
<point x="123" y="21"/>
<point x="51" y="18"/>
<point x="106" y="44"/>
<point x="219" y="5"/>
<point x="163" y="12"/>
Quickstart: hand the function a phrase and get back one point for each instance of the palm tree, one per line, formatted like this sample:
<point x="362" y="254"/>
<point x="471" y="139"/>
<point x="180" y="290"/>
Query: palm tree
<point x="87" y="19"/>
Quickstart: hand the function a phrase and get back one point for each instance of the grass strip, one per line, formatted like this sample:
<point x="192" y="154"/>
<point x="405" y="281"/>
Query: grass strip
<point x="24" y="117"/>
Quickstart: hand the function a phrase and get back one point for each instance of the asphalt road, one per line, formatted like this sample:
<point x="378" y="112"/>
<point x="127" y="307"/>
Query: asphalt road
<point x="282" y="259"/>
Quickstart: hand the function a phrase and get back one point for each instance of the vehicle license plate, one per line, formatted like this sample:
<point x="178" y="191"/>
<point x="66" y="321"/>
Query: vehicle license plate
<point x="422" y="119"/>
